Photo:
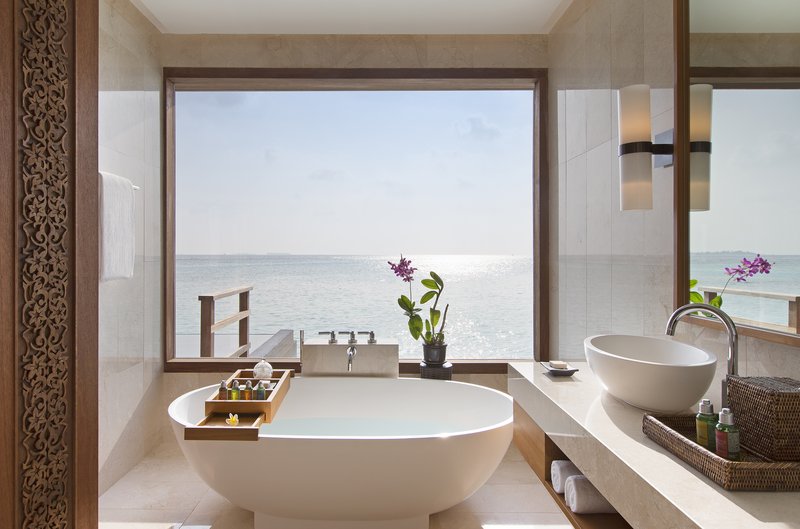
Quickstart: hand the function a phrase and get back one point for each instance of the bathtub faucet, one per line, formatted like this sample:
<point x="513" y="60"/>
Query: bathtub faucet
<point x="351" y="353"/>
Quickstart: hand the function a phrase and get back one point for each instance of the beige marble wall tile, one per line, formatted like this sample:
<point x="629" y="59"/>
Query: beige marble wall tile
<point x="356" y="51"/>
<point x="744" y="49"/>
<point x="130" y="310"/>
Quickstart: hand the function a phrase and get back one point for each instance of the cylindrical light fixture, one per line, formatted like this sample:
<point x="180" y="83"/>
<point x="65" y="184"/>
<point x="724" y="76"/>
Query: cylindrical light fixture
<point x="635" y="148"/>
<point x="700" y="97"/>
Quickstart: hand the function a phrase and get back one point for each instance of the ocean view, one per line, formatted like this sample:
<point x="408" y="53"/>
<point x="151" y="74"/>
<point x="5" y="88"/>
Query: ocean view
<point x="490" y="297"/>
<point x="708" y="269"/>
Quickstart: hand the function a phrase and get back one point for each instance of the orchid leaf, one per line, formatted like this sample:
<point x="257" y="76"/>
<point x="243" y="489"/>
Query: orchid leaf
<point x="438" y="279"/>
<point x="427" y="296"/>
<point x="415" y="326"/>
<point x="430" y="283"/>
<point x="692" y="283"/>
<point x="716" y="301"/>
<point x="695" y="297"/>
<point x="435" y="315"/>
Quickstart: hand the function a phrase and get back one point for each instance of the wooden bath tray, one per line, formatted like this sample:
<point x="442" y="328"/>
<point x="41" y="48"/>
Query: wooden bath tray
<point x="252" y="413"/>
<point x="214" y="428"/>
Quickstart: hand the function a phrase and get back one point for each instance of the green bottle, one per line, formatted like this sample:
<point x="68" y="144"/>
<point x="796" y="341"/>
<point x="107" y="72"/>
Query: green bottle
<point x="706" y="424"/>
<point x="260" y="391"/>
<point x="233" y="394"/>
<point x="727" y="436"/>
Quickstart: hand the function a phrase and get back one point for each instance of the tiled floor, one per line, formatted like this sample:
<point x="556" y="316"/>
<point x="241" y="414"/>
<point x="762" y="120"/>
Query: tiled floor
<point x="163" y="492"/>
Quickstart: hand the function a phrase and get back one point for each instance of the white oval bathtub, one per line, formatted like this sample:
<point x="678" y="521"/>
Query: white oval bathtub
<point x="356" y="452"/>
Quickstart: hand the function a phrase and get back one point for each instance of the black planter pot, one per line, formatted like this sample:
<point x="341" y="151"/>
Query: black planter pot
<point x="434" y="355"/>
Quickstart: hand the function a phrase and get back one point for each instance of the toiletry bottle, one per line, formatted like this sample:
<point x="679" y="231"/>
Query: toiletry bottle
<point x="223" y="391"/>
<point x="706" y="423"/>
<point x="727" y="436"/>
<point x="234" y="393"/>
<point x="261" y="391"/>
<point x="248" y="391"/>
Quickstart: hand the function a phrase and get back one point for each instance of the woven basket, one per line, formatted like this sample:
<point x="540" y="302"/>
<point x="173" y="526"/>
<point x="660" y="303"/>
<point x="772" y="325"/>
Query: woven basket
<point x="767" y="411"/>
<point x="676" y="434"/>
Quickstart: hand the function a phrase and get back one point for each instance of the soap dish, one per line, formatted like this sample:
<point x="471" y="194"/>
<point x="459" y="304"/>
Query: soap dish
<point x="568" y="372"/>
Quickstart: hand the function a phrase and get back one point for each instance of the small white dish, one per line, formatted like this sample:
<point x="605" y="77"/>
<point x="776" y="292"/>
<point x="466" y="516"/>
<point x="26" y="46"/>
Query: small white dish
<point x="568" y="372"/>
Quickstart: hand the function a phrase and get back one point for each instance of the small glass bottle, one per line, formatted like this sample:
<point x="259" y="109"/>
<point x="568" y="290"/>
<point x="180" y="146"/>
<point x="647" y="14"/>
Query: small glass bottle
<point x="706" y="423"/>
<point x="727" y="436"/>
<point x="262" y="370"/>
<point x="247" y="394"/>
<point x="260" y="391"/>
<point x="234" y="393"/>
<point x="223" y="391"/>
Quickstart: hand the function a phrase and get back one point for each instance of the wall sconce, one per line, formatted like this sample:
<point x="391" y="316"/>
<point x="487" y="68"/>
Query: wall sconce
<point x="636" y="148"/>
<point x="700" y="96"/>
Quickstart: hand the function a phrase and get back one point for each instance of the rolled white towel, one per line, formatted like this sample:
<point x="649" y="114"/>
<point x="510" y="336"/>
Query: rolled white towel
<point x="560" y="470"/>
<point x="583" y="498"/>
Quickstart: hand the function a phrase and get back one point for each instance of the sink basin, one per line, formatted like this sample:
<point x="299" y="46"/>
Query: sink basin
<point x="653" y="373"/>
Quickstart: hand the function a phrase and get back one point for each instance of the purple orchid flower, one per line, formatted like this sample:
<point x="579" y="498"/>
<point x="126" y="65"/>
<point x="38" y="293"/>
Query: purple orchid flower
<point x="748" y="268"/>
<point x="403" y="269"/>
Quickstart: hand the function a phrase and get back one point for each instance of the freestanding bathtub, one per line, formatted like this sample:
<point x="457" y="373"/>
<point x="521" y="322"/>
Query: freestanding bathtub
<point x="356" y="453"/>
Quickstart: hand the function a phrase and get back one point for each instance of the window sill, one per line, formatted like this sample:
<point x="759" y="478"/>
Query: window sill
<point x="407" y="366"/>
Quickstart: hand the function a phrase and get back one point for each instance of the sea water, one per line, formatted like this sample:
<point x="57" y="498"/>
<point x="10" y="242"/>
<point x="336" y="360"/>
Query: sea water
<point x="490" y="297"/>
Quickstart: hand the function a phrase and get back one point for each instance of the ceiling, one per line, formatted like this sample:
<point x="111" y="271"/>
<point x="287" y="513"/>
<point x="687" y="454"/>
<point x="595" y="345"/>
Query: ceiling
<point x="354" y="17"/>
<point x="745" y="16"/>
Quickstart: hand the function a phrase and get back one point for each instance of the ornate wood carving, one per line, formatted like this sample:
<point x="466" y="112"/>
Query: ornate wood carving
<point x="46" y="350"/>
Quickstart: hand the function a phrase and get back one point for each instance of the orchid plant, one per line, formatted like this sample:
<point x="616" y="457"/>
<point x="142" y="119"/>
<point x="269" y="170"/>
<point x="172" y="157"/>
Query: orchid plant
<point x="745" y="269"/>
<point x="419" y="327"/>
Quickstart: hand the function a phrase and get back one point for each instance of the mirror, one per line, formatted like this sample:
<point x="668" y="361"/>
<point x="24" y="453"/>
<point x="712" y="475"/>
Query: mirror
<point x="744" y="245"/>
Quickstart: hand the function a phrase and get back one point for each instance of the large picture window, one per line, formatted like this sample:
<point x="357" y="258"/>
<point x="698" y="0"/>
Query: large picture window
<point x="289" y="199"/>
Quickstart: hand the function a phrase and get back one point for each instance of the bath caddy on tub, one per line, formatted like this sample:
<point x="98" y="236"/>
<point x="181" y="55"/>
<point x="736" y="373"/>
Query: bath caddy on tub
<point x="252" y="413"/>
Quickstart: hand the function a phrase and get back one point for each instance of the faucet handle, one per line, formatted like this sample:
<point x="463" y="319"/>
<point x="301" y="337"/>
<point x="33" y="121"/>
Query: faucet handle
<point x="371" y="336"/>
<point x="352" y="338"/>
<point x="332" y="334"/>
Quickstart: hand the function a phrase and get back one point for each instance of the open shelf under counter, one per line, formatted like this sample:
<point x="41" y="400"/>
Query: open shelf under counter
<point x="650" y="487"/>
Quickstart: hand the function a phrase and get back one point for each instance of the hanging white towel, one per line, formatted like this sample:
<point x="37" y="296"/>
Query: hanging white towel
<point x="117" y="227"/>
<point x="560" y="470"/>
<point x="583" y="498"/>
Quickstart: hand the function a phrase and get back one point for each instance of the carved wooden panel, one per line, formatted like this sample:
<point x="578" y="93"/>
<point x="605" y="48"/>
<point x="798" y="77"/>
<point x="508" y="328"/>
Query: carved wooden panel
<point x="45" y="290"/>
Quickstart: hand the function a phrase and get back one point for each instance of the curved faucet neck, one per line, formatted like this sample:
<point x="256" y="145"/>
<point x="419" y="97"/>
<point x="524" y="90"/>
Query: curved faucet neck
<point x="719" y="314"/>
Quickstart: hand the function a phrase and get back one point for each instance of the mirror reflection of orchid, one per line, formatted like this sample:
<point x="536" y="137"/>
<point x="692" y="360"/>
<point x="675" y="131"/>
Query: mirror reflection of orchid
<point x="417" y="326"/>
<point x="740" y="273"/>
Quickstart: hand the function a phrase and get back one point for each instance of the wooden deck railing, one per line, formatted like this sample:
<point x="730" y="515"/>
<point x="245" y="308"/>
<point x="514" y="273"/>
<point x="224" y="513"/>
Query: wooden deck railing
<point x="208" y="325"/>
<point x="793" y="319"/>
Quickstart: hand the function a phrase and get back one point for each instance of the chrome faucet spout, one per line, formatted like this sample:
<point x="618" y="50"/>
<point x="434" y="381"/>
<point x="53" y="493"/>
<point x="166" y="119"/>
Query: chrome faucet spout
<point x="351" y="354"/>
<point x="730" y="327"/>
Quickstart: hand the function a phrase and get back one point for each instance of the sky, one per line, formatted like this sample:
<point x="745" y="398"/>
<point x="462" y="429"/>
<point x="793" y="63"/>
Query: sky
<point x="367" y="172"/>
<point x="755" y="174"/>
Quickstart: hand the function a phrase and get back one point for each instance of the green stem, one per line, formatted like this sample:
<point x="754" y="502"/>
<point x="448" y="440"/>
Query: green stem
<point x="726" y="286"/>
<point x="444" y="319"/>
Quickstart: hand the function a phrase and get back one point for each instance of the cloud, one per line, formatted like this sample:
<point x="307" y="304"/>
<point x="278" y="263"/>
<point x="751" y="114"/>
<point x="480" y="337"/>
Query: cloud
<point x="326" y="175"/>
<point x="478" y="129"/>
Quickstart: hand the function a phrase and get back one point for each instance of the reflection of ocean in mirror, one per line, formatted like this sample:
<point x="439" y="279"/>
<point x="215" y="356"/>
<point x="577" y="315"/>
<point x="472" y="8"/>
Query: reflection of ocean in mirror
<point x="709" y="270"/>
<point x="490" y="297"/>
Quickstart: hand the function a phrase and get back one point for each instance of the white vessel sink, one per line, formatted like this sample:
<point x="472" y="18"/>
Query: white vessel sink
<point x="653" y="373"/>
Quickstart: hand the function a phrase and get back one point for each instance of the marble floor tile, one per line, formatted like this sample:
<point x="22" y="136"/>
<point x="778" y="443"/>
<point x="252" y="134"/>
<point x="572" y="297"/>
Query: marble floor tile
<point x="163" y="492"/>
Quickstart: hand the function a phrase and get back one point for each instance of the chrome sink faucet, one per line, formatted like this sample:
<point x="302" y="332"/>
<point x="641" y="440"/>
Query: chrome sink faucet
<point x="730" y="327"/>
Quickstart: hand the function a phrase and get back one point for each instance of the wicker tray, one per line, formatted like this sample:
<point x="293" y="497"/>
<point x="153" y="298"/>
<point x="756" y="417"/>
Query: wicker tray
<point x="753" y="472"/>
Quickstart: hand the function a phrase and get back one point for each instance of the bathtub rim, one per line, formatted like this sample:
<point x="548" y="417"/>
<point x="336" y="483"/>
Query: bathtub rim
<point x="445" y="435"/>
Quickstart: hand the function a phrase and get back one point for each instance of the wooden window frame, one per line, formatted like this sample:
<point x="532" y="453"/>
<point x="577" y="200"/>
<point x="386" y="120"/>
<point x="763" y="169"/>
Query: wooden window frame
<point x="181" y="78"/>
<point x="722" y="78"/>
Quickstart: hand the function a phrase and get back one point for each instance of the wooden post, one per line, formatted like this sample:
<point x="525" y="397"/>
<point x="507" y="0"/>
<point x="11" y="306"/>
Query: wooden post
<point x="206" y="334"/>
<point x="708" y="296"/>
<point x="244" y="323"/>
<point x="794" y="315"/>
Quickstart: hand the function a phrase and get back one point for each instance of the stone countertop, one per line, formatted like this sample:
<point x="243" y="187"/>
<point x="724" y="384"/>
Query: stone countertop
<point x="649" y="486"/>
